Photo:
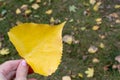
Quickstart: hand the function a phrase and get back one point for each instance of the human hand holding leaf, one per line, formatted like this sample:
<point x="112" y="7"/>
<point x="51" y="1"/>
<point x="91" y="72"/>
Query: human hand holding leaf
<point x="39" y="44"/>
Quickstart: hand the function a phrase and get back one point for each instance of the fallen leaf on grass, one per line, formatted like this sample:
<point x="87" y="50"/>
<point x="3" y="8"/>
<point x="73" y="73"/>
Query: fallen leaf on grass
<point x="49" y="11"/>
<point x="117" y="58"/>
<point x="80" y="75"/>
<point x="24" y="7"/>
<point x="102" y="45"/>
<point x="117" y="7"/>
<point x="117" y="21"/>
<point x="35" y="6"/>
<point x="90" y="72"/>
<point x="95" y="60"/>
<point x="107" y="67"/>
<point x="83" y="28"/>
<point x="98" y="21"/>
<point x="18" y="22"/>
<point x="52" y="20"/>
<point x="95" y="28"/>
<point x="72" y="8"/>
<point x="92" y="2"/>
<point x="4" y="51"/>
<point x="102" y="36"/>
<point x="18" y="11"/>
<point x="114" y="15"/>
<point x="92" y="49"/>
<point x="39" y="45"/>
<point x="66" y="78"/>
<point x="96" y="7"/>
<point x="68" y="39"/>
<point x="27" y="12"/>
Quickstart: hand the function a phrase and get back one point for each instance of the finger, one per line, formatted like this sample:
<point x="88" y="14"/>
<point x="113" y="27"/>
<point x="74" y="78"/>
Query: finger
<point x="9" y="66"/>
<point x="11" y="75"/>
<point x="32" y="79"/>
<point x="22" y="71"/>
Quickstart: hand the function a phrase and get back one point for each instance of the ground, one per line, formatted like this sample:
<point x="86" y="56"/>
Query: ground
<point x="86" y="33"/>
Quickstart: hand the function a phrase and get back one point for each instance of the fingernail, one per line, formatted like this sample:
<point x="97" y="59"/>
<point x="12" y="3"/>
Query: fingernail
<point x="23" y="63"/>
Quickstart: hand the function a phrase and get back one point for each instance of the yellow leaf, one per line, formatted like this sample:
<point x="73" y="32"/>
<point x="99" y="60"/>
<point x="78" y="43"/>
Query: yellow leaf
<point x="18" y="11"/>
<point x="35" y="6"/>
<point x="117" y="6"/>
<point x="92" y="2"/>
<point x="39" y="44"/>
<point x="102" y="45"/>
<point x="96" y="7"/>
<point x="95" y="60"/>
<point x="66" y="78"/>
<point x="27" y="12"/>
<point x="90" y="72"/>
<point x="80" y="75"/>
<point x="92" y="49"/>
<point x="4" y="51"/>
<point x="52" y="20"/>
<point x="95" y="28"/>
<point x="118" y="21"/>
<point x="99" y="20"/>
<point x="68" y="39"/>
<point x="49" y="11"/>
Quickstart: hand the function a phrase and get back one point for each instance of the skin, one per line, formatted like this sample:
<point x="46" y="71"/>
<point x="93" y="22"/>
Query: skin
<point x="14" y="69"/>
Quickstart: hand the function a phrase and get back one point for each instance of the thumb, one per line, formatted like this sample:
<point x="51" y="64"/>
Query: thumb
<point x="22" y="71"/>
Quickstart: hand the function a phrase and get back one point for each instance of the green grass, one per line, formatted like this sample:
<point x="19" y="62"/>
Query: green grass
<point x="72" y="60"/>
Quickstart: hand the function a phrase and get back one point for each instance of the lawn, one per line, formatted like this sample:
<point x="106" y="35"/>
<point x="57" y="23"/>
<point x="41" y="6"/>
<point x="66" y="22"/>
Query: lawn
<point x="90" y="27"/>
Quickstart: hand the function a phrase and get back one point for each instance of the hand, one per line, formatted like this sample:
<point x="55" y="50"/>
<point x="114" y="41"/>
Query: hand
<point x="17" y="69"/>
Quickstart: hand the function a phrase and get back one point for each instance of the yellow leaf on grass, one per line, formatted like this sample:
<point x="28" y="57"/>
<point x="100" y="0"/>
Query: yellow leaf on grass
<point x="35" y="6"/>
<point x="92" y="2"/>
<point x="92" y="49"/>
<point x="117" y="6"/>
<point x="4" y="51"/>
<point x="102" y="45"/>
<point x="66" y="78"/>
<point x="49" y="11"/>
<point x="90" y="72"/>
<point x="80" y="75"/>
<point x="18" y="11"/>
<point x="68" y="39"/>
<point x="27" y="12"/>
<point x="96" y="7"/>
<point x="39" y="44"/>
<point x="95" y="28"/>
<point x="95" y="60"/>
